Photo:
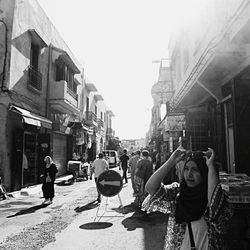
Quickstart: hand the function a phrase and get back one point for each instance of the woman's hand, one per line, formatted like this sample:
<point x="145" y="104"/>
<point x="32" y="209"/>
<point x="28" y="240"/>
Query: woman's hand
<point x="209" y="156"/>
<point x="155" y="180"/>
<point x="178" y="154"/>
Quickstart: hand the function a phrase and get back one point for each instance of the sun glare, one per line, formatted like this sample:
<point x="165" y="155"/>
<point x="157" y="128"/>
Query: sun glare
<point x="186" y="13"/>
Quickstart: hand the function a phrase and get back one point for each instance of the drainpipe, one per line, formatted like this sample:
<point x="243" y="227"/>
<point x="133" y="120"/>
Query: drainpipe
<point x="47" y="95"/>
<point x="3" y="87"/>
<point x="48" y="84"/>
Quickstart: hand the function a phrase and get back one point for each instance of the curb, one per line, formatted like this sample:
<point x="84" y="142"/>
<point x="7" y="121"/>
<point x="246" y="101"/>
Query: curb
<point x="36" y="189"/>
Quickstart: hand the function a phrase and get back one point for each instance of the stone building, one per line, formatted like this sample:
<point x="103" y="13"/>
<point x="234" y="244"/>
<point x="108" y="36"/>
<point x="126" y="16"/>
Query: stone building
<point x="43" y="97"/>
<point x="210" y="73"/>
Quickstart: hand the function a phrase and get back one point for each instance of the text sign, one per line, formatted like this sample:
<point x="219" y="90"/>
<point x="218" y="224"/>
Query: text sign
<point x="109" y="183"/>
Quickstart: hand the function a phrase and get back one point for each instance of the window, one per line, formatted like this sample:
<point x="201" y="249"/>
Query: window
<point x="87" y="104"/>
<point x="35" y="77"/>
<point x="64" y="72"/>
<point x="74" y="87"/>
<point x="69" y="78"/>
<point x="34" y="56"/>
<point x="59" y="71"/>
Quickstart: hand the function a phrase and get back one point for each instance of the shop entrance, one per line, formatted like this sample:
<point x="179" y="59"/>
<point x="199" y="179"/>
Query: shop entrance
<point x="29" y="169"/>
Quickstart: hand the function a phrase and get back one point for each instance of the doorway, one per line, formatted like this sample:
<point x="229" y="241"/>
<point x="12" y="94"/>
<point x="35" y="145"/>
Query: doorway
<point x="228" y="111"/>
<point x="29" y="169"/>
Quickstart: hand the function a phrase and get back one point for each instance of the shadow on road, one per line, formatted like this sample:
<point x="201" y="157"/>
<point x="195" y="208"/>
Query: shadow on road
<point x="154" y="225"/>
<point x="14" y="203"/>
<point x="126" y="209"/>
<point x="96" y="225"/>
<point x="90" y="205"/>
<point x="140" y="219"/>
<point x="29" y="210"/>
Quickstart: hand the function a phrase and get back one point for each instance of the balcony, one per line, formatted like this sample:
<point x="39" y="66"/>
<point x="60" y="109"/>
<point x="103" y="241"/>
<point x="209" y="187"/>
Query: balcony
<point x="62" y="99"/>
<point x="35" y="79"/>
<point x="110" y="132"/>
<point x="90" y="119"/>
<point x="220" y="53"/>
<point x="100" y="124"/>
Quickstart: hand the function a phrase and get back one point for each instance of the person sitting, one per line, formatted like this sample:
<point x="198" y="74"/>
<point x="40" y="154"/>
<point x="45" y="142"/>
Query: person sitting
<point x="75" y="156"/>
<point x="197" y="206"/>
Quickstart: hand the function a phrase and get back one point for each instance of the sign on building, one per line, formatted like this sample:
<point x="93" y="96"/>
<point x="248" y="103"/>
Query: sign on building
<point x="175" y="122"/>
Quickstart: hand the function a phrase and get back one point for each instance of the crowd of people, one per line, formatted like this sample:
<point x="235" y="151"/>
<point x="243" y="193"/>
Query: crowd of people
<point x="186" y="187"/>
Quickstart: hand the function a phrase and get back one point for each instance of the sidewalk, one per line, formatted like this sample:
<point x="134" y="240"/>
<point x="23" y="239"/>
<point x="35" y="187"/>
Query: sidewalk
<point x="111" y="225"/>
<point x="35" y="189"/>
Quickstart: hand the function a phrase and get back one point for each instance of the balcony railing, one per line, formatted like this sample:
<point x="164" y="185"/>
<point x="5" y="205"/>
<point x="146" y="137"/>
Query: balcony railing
<point x="61" y="99"/>
<point x="35" y="78"/>
<point x="73" y="94"/>
<point x="100" y="123"/>
<point x="90" y="118"/>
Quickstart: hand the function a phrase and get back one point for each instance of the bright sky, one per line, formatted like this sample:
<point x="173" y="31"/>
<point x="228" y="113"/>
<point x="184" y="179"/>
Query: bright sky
<point x="116" y="42"/>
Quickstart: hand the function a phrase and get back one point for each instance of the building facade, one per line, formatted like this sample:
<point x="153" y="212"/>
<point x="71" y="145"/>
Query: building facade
<point x="43" y="97"/>
<point x="210" y="73"/>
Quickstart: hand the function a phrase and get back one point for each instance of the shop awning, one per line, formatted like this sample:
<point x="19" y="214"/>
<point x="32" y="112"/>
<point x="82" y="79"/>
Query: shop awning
<point x="31" y="118"/>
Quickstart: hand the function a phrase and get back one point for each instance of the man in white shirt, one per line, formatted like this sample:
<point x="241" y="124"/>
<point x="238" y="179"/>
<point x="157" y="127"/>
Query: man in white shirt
<point x="99" y="166"/>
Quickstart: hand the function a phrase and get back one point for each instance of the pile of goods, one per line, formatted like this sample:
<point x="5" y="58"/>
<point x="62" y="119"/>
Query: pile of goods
<point x="237" y="187"/>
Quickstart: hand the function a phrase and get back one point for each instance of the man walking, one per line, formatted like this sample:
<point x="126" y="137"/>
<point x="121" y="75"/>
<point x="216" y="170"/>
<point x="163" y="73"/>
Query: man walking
<point x="124" y="164"/>
<point x="98" y="167"/>
<point x="144" y="170"/>
<point x="132" y="164"/>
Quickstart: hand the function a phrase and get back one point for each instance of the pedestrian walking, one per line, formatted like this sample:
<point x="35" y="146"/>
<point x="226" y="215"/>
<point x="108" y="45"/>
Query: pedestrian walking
<point x="98" y="167"/>
<point x="144" y="170"/>
<point x="49" y="175"/>
<point x="124" y="164"/>
<point x="132" y="164"/>
<point x="130" y="157"/>
<point x="157" y="161"/>
<point x="91" y="171"/>
<point x="198" y="208"/>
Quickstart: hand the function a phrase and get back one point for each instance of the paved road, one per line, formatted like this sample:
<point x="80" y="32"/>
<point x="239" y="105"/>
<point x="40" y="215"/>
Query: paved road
<point x="109" y="225"/>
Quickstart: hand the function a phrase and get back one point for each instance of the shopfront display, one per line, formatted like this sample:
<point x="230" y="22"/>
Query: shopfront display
<point x="237" y="187"/>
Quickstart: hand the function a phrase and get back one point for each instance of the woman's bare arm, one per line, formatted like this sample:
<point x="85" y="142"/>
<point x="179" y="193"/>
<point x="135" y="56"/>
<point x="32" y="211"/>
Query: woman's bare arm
<point x="213" y="178"/>
<point x="155" y="180"/>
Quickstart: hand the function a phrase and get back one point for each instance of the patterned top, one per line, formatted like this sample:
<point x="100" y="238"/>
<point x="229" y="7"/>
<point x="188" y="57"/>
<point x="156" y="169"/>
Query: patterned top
<point x="216" y="216"/>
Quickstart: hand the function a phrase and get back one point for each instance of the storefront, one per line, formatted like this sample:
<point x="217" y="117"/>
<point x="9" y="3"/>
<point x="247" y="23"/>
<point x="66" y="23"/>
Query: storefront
<point x="30" y="143"/>
<point x="60" y="152"/>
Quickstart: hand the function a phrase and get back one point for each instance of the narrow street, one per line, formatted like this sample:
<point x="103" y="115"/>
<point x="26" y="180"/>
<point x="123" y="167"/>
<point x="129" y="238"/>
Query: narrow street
<point x="76" y="221"/>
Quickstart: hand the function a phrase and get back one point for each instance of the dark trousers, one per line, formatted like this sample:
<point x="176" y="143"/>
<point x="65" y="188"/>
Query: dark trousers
<point x="99" y="194"/>
<point x="124" y="176"/>
<point x="48" y="190"/>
